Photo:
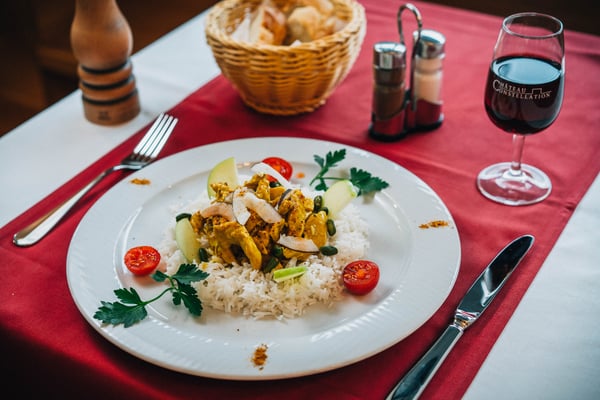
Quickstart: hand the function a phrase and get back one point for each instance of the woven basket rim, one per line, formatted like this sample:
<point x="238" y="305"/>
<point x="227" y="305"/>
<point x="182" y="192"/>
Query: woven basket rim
<point x="261" y="73"/>
<point x="354" y="24"/>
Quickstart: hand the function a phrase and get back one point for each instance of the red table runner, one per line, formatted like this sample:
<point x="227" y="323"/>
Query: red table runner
<point x="48" y="348"/>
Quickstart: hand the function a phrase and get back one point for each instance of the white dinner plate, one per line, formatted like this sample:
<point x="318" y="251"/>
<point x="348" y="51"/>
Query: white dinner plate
<point x="418" y="269"/>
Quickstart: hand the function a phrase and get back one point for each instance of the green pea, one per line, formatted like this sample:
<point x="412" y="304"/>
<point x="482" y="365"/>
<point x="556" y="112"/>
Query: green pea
<point x="182" y="216"/>
<point x="272" y="263"/>
<point x="318" y="203"/>
<point x="203" y="254"/>
<point x="331" y="229"/>
<point x="277" y="251"/>
<point x="328" y="250"/>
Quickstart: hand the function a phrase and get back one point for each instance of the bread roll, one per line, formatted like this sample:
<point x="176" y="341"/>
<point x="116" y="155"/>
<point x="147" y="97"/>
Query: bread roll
<point x="268" y="26"/>
<point x="324" y="7"/>
<point x="304" y="24"/>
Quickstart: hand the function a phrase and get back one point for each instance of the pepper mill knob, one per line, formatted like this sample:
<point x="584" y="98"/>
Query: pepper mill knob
<point x="102" y="42"/>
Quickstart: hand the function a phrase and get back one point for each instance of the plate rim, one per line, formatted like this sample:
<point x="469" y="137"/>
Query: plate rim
<point x="120" y="336"/>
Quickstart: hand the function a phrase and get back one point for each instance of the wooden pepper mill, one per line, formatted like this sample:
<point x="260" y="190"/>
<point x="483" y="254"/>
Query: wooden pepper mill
<point x="101" y="40"/>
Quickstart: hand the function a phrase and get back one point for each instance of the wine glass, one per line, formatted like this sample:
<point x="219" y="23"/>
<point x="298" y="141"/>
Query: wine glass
<point x="523" y="96"/>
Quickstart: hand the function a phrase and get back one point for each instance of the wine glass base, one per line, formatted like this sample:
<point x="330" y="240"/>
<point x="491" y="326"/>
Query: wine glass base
<point x="500" y="184"/>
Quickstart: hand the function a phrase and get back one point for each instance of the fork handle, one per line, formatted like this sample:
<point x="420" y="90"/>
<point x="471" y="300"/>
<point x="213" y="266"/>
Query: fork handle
<point x="39" y="228"/>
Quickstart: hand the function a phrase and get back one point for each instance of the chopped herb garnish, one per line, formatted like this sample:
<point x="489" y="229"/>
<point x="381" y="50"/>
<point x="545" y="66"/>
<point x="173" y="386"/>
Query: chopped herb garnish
<point x="330" y="160"/>
<point x="132" y="308"/>
<point x="361" y="179"/>
<point x="365" y="182"/>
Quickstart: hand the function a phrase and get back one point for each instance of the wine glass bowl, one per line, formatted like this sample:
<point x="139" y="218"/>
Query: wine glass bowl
<point x="523" y="96"/>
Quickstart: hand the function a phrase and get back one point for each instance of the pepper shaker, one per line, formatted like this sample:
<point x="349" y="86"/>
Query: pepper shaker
<point x="102" y="41"/>
<point x="389" y="91"/>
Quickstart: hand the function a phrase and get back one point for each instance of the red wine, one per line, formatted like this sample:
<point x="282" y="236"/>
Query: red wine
<point x="524" y="94"/>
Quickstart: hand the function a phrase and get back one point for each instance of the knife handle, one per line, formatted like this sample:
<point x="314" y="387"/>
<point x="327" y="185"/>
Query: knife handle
<point x="414" y="382"/>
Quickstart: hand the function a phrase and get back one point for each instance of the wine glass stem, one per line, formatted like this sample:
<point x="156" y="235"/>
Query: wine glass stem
<point x="517" y="153"/>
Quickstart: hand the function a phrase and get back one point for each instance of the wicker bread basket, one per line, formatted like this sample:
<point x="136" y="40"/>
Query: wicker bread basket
<point x="284" y="80"/>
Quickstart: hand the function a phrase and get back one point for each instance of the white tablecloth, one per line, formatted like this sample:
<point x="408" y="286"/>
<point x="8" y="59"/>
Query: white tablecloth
<point x="550" y="349"/>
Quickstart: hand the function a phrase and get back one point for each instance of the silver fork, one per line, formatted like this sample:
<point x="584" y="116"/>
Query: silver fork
<point x="143" y="154"/>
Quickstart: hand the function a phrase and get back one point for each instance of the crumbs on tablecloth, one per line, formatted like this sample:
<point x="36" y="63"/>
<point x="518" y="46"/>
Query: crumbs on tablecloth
<point x="259" y="358"/>
<point x="434" y="224"/>
<point x="140" y="181"/>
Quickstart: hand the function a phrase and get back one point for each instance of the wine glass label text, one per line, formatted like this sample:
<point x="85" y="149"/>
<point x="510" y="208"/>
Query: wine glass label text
<point x="520" y="92"/>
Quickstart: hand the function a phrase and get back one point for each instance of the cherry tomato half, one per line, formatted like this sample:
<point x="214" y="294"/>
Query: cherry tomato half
<point x="142" y="260"/>
<point x="360" y="276"/>
<point x="280" y="165"/>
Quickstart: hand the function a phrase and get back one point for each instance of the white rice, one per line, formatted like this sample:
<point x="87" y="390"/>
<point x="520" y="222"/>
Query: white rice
<point x="249" y="292"/>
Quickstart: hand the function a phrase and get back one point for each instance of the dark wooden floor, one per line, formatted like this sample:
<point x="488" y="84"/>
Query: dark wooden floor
<point x="34" y="36"/>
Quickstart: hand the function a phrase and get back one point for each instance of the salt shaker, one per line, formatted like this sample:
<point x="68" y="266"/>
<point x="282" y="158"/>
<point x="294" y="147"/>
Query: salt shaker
<point x="389" y="91"/>
<point x="427" y="78"/>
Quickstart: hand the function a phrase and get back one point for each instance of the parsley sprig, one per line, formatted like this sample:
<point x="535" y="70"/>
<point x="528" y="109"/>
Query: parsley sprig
<point x="361" y="179"/>
<point x="132" y="308"/>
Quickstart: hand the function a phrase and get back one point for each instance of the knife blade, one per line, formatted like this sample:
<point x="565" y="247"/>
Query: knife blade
<point x="473" y="304"/>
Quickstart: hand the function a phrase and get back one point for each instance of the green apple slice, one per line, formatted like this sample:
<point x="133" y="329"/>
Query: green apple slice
<point x="187" y="240"/>
<point x="224" y="171"/>
<point x="338" y="196"/>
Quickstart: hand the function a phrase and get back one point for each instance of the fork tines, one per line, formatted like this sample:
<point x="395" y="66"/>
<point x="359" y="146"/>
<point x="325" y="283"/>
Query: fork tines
<point x="157" y="135"/>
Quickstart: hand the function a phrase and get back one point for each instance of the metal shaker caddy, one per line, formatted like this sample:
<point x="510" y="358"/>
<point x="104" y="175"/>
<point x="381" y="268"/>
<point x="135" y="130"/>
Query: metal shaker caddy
<point x="397" y="110"/>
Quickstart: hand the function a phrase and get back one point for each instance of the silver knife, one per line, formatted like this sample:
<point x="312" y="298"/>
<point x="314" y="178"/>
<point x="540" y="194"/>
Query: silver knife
<point x="478" y="297"/>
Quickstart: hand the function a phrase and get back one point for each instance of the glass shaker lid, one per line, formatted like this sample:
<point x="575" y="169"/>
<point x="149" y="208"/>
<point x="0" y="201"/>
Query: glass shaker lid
<point x="389" y="55"/>
<point x="430" y="45"/>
